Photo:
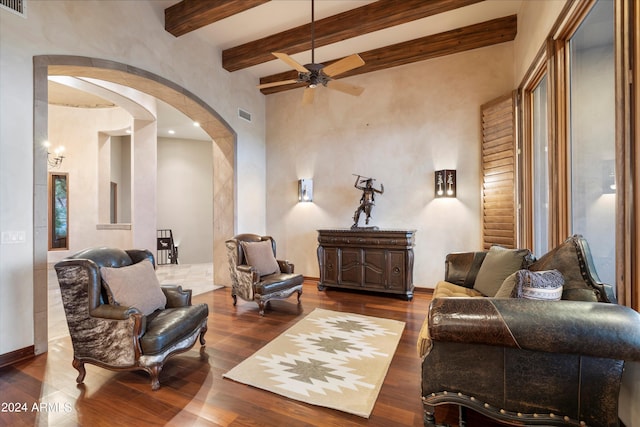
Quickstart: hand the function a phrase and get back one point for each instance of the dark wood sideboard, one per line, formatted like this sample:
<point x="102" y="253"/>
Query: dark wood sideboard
<point x="367" y="259"/>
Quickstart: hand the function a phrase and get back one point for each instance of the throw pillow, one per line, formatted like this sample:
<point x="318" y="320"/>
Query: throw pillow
<point x="260" y="255"/>
<point x="507" y="286"/>
<point x="539" y="285"/>
<point x="568" y="259"/>
<point x="497" y="265"/>
<point x="135" y="286"/>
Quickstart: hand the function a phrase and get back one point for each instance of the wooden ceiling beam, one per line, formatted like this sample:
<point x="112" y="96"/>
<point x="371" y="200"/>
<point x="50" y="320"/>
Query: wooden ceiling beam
<point x="459" y="40"/>
<point x="352" y="23"/>
<point x="189" y="15"/>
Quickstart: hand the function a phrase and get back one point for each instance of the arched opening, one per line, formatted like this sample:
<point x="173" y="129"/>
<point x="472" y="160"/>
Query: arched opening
<point x="224" y="149"/>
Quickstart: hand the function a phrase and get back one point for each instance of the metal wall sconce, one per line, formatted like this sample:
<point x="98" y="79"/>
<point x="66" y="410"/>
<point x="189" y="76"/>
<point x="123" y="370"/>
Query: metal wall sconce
<point x="54" y="160"/>
<point x="305" y="190"/>
<point x="445" y="183"/>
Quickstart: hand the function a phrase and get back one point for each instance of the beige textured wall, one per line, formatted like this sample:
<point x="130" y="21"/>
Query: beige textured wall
<point x="77" y="129"/>
<point x="535" y="20"/>
<point x="95" y="29"/>
<point x="185" y="196"/>
<point x="409" y="122"/>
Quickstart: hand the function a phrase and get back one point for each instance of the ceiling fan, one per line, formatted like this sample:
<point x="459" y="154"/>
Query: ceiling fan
<point x="318" y="74"/>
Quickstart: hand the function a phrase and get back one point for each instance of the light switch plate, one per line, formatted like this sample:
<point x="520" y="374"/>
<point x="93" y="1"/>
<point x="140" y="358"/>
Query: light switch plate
<point x="13" y="237"/>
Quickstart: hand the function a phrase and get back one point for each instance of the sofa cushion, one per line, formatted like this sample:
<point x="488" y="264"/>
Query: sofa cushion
<point x="538" y="285"/>
<point x="447" y="290"/>
<point x="135" y="286"/>
<point x="278" y="282"/>
<point x="260" y="256"/>
<point x="497" y="266"/>
<point x="167" y="327"/>
<point x="569" y="260"/>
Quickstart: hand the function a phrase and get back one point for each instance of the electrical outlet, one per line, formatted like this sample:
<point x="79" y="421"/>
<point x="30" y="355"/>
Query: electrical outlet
<point x="13" y="237"/>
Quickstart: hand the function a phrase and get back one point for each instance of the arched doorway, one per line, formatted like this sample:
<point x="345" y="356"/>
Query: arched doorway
<point x="224" y="149"/>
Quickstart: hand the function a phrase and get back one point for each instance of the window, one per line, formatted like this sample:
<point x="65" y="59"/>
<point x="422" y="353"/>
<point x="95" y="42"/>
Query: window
<point x="540" y="167"/>
<point x="591" y="135"/>
<point x="58" y="211"/>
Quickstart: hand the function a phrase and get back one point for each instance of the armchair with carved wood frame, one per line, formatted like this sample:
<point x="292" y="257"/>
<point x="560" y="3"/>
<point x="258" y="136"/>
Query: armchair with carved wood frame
<point x="119" y="337"/>
<point x="250" y="284"/>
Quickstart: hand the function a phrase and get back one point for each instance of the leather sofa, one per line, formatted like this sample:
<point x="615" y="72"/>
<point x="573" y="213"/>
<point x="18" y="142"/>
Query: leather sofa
<point x="118" y="336"/>
<point x="525" y="361"/>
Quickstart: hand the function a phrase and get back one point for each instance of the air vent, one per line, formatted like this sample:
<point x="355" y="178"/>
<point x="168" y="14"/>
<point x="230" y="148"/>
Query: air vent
<point x="245" y="115"/>
<point x="16" y="6"/>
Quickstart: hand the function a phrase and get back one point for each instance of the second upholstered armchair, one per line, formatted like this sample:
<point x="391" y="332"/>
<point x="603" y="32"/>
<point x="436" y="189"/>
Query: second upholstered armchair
<point x="256" y="274"/>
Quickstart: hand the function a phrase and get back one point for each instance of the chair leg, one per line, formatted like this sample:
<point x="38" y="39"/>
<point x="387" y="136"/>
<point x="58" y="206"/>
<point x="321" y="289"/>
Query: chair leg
<point x="261" y="304"/>
<point x="235" y="299"/>
<point x="154" y="372"/>
<point x="80" y="368"/>
<point x="202" y="332"/>
<point x="299" y="295"/>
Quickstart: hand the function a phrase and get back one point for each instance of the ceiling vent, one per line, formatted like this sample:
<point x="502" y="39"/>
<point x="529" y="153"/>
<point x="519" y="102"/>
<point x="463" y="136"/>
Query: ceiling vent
<point x="245" y="115"/>
<point x="18" y="7"/>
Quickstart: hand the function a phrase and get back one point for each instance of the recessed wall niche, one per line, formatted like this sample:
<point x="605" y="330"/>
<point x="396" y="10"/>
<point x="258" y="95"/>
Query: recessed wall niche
<point x="114" y="176"/>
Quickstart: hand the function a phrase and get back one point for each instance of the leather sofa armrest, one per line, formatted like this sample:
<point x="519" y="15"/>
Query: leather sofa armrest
<point x="285" y="266"/>
<point x="461" y="268"/>
<point x="573" y="327"/>
<point x="176" y="296"/>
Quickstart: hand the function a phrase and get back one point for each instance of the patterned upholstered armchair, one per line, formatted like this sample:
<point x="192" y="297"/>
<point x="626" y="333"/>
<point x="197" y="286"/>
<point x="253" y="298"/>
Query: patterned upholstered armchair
<point x="256" y="275"/>
<point x="119" y="316"/>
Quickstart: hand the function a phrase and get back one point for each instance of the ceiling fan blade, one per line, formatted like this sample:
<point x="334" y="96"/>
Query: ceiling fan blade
<point x="343" y="65"/>
<point x="290" y="61"/>
<point x="345" y="87"/>
<point x="272" y="84"/>
<point x="307" y="97"/>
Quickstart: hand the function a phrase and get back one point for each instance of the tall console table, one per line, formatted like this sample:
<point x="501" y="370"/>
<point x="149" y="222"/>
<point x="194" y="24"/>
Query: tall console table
<point x="367" y="259"/>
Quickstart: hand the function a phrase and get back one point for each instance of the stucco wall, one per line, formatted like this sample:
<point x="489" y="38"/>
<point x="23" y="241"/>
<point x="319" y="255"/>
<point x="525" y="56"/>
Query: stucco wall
<point x="127" y="32"/>
<point x="185" y="196"/>
<point x="77" y="129"/>
<point x="535" y="20"/>
<point x="409" y="122"/>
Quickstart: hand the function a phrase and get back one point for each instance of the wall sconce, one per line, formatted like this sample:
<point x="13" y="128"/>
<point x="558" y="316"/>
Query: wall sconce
<point x="445" y="183"/>
<point x="608" y="177"/>
<point x="54" y="160"/>
<point x="305" y="190"/>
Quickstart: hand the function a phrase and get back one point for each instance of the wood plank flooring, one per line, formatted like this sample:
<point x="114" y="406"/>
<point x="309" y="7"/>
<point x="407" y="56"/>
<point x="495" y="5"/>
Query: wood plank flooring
<point x="193" y="392"/>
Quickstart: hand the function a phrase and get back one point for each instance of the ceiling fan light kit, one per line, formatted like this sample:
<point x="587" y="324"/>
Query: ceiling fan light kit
<point x="314" y="74"/>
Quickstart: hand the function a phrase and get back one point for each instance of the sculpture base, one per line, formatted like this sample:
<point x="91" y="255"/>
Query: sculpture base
<point x="355" y="227"/>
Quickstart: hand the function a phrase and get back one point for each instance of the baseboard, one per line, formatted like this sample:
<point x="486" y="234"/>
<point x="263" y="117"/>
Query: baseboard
<point x="419" y="290"/>
<point x="16" y="356"/>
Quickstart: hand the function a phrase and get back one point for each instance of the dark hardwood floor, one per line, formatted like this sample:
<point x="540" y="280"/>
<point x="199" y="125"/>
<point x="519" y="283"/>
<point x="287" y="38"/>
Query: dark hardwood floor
<point x="193" y="392"/>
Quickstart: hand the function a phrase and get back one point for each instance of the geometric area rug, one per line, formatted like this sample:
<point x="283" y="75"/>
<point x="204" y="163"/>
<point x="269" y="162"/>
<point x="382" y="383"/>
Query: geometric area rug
<point x="329" y="358"/>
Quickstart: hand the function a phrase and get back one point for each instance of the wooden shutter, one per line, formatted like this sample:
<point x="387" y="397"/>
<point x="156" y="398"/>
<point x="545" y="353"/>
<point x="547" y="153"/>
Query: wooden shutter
<point x="499" y="173"/>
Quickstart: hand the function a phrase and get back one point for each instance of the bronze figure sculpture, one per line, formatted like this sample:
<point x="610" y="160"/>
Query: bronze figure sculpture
<point x="367" y="201"/>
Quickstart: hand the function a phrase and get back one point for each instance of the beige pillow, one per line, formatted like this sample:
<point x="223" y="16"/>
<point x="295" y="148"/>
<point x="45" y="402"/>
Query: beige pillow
<point x="507" y="286"/>
<point x="260" y="256"/>
<point x="135" y="286"/>
<point x="497" y="266"/>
